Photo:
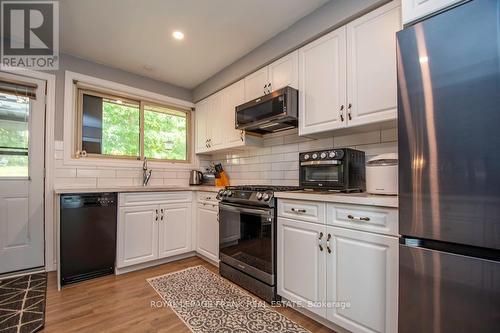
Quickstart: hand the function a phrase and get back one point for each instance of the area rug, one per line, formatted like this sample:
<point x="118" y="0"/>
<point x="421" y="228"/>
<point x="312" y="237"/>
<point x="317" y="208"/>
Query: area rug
<point x="206" y="302"/>
<point x="22" y="303"/>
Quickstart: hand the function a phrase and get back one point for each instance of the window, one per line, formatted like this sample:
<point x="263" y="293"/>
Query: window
<point x="14" y="145"/>
<point x="121" y="127"/>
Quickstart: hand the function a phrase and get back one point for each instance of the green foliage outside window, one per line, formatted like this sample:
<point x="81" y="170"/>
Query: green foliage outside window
<point x="120" y="129"/>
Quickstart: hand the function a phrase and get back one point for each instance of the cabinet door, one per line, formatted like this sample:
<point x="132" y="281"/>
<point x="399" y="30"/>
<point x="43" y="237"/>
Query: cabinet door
<point x="174" y="230"/>
<point x="201" y="125"/>
<point x="416" y="9"/>
<point x="207" y="231"/>
<point x="322" y="83"/>
<point x="301" y="263"/>
<point x="233" y="96"/>
<point x="285" y="72"/>
<point x="137" y="235"/>
<point x="362" y="270"/>
<point x="255" y="84"/>
<point x="215" y="122"/>
<point x="371" y="66"/>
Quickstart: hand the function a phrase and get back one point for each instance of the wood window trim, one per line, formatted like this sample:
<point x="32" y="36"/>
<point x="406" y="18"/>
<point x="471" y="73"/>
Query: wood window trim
<point x="81" y="89"/>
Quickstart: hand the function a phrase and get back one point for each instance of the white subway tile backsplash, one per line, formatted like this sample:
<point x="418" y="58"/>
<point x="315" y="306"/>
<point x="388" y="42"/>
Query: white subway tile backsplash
<point x="285" y="148"/>
<point x="357" y="139"/>
<point x="64" y="183"/>
<point x="60" y="172"/>
<point x="319" y="144"/>
<point x="104" y="173"/>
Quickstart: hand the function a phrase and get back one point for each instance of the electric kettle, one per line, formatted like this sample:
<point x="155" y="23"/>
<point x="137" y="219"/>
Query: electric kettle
<point x="195" y="177"/>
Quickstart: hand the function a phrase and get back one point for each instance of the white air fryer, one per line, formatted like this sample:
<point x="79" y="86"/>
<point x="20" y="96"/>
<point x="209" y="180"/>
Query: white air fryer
<point x="382" y="174"/>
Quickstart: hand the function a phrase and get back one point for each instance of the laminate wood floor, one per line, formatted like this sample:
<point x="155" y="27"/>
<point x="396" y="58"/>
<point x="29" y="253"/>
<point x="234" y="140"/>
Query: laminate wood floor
<point x="123" y="304"/>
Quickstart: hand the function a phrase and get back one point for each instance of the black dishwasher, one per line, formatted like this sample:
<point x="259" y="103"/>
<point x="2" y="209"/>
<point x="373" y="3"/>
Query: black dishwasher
<point x="87" y="236"/>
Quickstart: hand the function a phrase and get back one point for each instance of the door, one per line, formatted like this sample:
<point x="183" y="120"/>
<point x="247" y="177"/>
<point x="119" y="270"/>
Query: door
<point x="285" y="72"/>
<point x="322" y="83"/>
<point x="371" y="66"/>
<point x="207" y="232"/>
<point x="445" y="292"/>
<point x="256" y="84"/>
<point x="174" y="230"/>
<point x="302" y="263"/>
<point x="201" y="125"/>
<point x="22" y="127"/>
<point x="362" y="272"/>
<point x="137" y="235"/>
<point x="449" y="179"/>
<point x="251" y="247"/>
<point x="234" y="95"/>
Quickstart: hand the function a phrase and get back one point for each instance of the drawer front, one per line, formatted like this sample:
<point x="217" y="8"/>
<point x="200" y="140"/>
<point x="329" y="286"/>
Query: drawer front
<point x="209" y="197"/>
<point x="150" y="198"/>
<point x="367" y="218"/>
<point x="310" y="211"/>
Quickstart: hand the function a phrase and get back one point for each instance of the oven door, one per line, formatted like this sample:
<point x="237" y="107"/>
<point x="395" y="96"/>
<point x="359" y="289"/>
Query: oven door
<point x="327" y="174"/>
<point x="247" y="240"/>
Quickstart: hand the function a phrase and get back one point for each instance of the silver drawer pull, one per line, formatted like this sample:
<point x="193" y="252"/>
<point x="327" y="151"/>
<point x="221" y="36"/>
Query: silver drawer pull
<point x="320" y="241"/>
<point x="298" y="210"/>
<point x="357" y="218"/>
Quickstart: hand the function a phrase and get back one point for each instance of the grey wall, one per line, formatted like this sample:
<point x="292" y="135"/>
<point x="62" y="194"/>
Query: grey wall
<point x="331" y="15"/>
<point x="82" y="66"/>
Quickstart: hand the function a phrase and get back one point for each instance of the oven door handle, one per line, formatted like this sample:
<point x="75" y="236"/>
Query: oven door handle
<point x="328" y="162"/>
<point x="245" y="210"/>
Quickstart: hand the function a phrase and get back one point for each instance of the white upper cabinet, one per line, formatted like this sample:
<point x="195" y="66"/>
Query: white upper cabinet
<point x="256" y="84"/>
<point x="216" y="120"/>
<point x="201" y="128"/>
<point x="284" y="72"/>
<point x="371" y="66"/>
<point x="234" y="95"/>
<point x="322" y="83"/>
<point x="416" y="9"/>
<point x="362" y="269"/>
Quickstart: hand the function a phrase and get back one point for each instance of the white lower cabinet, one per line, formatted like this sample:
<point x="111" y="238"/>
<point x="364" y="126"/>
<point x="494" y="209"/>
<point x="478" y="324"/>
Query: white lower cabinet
<point x="351" y="274"/>
<point x="362" y="272"/>
<point x="137" y="235"/>
<point x="149" y="232"/>
<point x="174" y="230"/>
<point x="207" y="231"/>
<point x="301" y="263"/>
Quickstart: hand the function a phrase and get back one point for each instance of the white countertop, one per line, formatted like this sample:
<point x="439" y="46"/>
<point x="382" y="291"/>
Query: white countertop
<point x="347" y="198"/>
<point x="139" y="189"/>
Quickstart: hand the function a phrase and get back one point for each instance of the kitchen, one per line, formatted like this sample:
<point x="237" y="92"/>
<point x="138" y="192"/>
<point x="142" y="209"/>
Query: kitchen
<point x="327" y="172"/>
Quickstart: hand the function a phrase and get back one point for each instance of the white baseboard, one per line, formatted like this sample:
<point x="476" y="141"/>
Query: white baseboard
<point x="123" y="270"/>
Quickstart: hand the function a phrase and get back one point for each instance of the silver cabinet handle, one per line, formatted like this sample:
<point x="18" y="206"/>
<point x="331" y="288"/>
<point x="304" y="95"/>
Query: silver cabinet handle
<point x="342" y="112"/>
<point x="161" y="218"/>
<point x="320" y="241"/>
<point x="349" y="111"/>
<point x="358" y="218"/>
<point x="295" y="210"/>
<point x="328" y="243"/>
<point x="156" y="218"/>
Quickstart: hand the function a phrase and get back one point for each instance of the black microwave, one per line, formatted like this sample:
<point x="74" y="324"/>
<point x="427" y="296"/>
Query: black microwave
<point x="274" y="112"/>
<point x="340" y="170"/>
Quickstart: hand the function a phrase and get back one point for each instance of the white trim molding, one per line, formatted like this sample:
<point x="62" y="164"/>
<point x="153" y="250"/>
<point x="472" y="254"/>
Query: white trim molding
<point x="50" y="102"/>
<point x="70" y="119"/>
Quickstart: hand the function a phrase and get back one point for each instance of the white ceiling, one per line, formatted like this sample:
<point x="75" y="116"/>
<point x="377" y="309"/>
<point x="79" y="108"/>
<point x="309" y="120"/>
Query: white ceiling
<point x="136" y="35"/>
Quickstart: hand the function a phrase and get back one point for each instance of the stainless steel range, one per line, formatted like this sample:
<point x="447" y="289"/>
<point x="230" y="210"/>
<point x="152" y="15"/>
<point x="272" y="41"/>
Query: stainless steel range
<point x="247" y="237"/>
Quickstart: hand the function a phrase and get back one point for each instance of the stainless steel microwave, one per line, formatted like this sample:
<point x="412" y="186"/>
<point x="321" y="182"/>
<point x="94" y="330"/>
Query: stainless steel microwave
<point x="335" y="169"/>
<point x="274" y="112"/>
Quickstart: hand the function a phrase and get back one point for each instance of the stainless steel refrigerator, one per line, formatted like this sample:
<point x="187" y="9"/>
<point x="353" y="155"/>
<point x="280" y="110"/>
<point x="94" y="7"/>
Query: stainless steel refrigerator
<point x="449" y="171"/>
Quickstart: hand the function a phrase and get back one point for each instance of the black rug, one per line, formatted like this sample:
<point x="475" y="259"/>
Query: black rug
<point x="22" y="303"/>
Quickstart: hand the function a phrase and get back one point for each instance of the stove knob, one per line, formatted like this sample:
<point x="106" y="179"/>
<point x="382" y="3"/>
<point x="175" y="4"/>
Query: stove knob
<point x="315" y="156"/>
<point x="306" y="156"/>
<point x="259" y="196"/>
<point x="266" y="197"/>
<point x="323" y="155"/>
<point x="229" y="193"/>
<point x="332" y="154"/>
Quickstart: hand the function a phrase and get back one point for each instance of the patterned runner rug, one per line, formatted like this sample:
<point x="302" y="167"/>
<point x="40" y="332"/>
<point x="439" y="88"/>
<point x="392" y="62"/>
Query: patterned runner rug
<point x="22" y="303"/>
<point x="206" y="302"/>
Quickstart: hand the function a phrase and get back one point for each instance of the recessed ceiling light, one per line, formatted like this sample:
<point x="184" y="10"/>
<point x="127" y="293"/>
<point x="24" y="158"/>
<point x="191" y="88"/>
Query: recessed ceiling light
<point x="178" y="35"/>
